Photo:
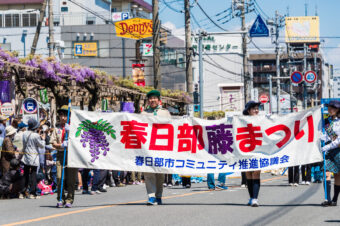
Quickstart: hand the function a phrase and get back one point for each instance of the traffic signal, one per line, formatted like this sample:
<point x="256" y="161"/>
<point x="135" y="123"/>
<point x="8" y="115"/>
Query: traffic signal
<point x="196" y="94"/>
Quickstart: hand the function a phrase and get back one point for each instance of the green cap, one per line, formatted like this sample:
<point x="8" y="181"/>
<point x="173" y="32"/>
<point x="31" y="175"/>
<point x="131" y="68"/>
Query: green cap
<point x="63" y="108"/>
<point x="153" y="93"/>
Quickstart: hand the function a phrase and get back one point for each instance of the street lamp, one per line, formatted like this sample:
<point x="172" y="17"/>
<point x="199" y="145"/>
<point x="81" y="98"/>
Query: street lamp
<point x="23" y="40"/>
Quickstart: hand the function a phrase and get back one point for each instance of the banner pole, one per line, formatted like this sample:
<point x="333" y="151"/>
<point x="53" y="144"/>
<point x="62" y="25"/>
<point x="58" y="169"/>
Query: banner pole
<point x="324" y="154"/>
<point x="65" y="148"/>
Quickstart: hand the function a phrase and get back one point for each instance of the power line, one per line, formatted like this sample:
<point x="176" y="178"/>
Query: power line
<point x="172" y="8"/>
<point x="258" y="6"/>
<point x="209" y="17"/>
<point x="194" y="18"/>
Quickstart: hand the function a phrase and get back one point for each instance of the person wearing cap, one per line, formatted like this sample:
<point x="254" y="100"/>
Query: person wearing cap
<point x="154" y="181"/>
<point x="253" y="177"/>
<point x="8" y="149"/>
<point x="32" y="141"/>
<point x="332" y="141"/>
<point x="70" y="174"/>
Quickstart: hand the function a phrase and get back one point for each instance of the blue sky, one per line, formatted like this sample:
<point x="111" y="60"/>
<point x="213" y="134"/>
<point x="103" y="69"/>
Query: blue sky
<point x="328" y="11"/>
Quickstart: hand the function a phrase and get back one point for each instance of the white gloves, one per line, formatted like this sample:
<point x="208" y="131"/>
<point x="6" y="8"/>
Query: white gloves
<point x="65" y="143"/>
<point x="67" y="127"/>
<point x="323" y="137"/>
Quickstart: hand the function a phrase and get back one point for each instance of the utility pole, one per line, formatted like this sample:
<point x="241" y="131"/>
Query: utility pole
<point x="270" y="94"/>
<point x="277" y="23"/>
<point x="156" y="46"/>
<point x="290" y="82"/>
<point x="200" y="52"/>
<point x="277" y="51"/>
<point x="37" y="32"/>
<point x="123" y="57"/>
<point x="244" y="49"/>
<point x="304" y="71"/>
<point x="188" y="52"/>
<point x="50" y="29"/>
<point x="316" y="82"/>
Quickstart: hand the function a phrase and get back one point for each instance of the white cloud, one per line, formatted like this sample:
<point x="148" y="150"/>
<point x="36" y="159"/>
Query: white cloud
<point x="178" y="32"/>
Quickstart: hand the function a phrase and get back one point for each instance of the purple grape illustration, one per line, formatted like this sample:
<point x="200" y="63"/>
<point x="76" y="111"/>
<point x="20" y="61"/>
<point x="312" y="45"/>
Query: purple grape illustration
<point x="92" y="136"/>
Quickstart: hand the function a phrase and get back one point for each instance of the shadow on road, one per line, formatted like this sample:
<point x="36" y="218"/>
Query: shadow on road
<point x="332" y="221"/>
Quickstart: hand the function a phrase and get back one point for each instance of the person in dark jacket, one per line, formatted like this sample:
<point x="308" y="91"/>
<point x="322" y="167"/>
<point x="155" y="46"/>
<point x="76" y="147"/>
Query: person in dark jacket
<point x="12" y="183"/>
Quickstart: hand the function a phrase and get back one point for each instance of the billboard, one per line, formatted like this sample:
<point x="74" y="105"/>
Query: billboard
<point x="135" y="28"/>
<point x="85" y="49"/>
<point x="219" y="43"/>
<point x="304" y="29"/>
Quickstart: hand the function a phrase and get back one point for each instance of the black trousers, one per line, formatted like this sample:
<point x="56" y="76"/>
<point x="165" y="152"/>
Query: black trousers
<point x="168" y="179"/>
<point x="186" y="181"/>
<point x="85" y="179"/>
<point x="306" y="172"/>
<point x="244" y="178"/>
<point x="293" y="174"/>
<point x="30" y="174"/>
<point x="118" y="178"/>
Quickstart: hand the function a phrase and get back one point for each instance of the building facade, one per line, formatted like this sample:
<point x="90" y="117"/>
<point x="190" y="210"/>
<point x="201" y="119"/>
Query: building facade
<point x="222" y="72"/>
<point x="264" y="66"/>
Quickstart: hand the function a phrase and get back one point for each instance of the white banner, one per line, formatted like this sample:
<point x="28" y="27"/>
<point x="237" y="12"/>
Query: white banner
<point x="135" y="142"/>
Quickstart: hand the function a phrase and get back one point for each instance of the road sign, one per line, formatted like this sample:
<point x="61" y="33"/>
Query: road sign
<point x="296" y="77"/>
<point x="196" y="107"/>
<point x="118" y="16"/>
<point x="85" y="49"/>
<point x="310" y="76"/>
<point x="264" y="98"/>
<point x="30" y="105"/>
<point x="7" y="109"/>
<point x="79" y="49"/>
<point x="259" y="28"/>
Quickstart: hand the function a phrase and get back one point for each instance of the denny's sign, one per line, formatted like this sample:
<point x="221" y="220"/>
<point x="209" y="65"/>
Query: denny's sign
<point x="135" y="28"/>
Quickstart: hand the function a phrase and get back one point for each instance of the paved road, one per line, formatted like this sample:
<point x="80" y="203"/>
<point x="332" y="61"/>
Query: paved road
<point x="280" y="205"/>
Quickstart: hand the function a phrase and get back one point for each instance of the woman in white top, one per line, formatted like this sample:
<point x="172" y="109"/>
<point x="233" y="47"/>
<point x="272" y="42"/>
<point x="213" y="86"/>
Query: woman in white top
<point x="332" y="140"/>
<point x="253" y="177"/>
<point x="32" y="141"/>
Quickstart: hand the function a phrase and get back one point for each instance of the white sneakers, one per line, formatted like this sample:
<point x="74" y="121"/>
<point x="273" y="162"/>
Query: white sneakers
<point x="305" y="183"/>
<point x="255" y="203"/>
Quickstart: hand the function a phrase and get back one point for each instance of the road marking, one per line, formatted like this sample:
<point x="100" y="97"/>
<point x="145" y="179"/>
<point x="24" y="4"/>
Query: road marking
<point x="113" y="205"/>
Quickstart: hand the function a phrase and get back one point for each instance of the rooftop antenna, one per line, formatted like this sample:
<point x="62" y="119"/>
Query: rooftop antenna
<point x="316" y="10"/>
<point x="287" y="11"/>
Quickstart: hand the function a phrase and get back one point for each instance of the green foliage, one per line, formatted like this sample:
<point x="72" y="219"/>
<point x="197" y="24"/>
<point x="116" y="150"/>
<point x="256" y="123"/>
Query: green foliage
<point x="215" y="114"/>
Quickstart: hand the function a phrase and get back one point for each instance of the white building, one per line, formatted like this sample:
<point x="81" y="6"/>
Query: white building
<point x="222" y="70"/>
<point x="336" y="86"/>
<point x="19" y="18"/>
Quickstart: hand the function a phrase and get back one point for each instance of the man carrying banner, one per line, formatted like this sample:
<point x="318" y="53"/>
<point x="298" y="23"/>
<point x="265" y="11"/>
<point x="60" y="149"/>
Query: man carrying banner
<point x="332" y="139"/>
<point x="58" y="142"/>
<point x="253" y="177"/>
<point x="154" y="181"/>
